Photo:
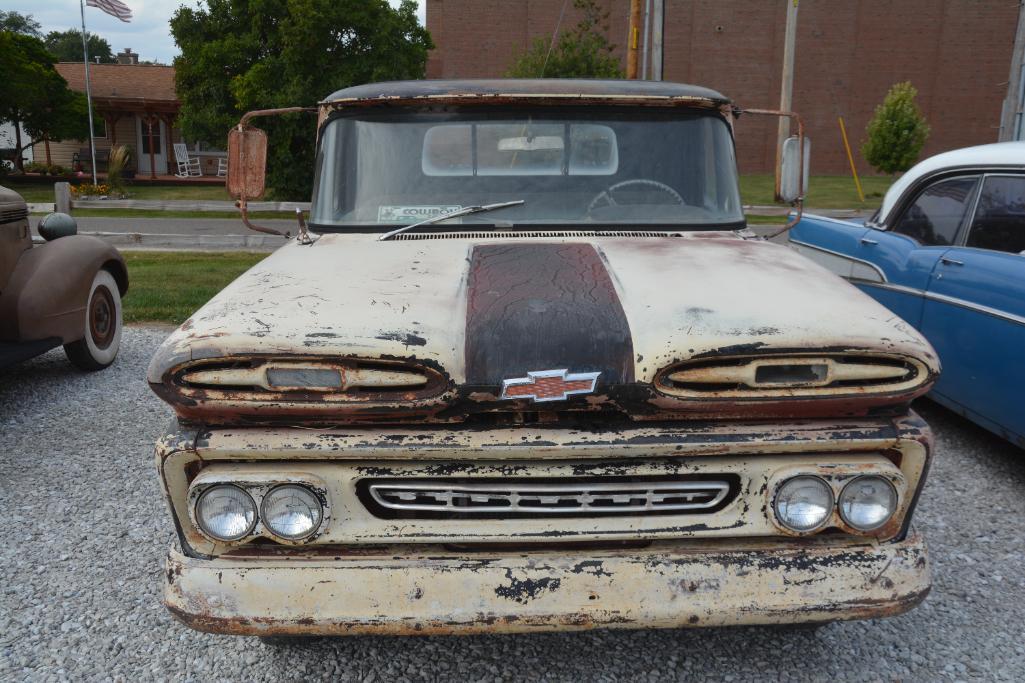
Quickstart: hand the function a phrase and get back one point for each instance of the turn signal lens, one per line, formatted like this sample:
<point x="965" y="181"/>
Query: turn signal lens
<point x="292" y="512"/>
<point x="225" y="512"/>
<point x="867" y="503"/>
<point x="803" y="503"/>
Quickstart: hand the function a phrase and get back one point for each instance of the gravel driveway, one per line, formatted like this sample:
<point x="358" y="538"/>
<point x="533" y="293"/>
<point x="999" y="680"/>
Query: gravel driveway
<point x="84" y="532"/>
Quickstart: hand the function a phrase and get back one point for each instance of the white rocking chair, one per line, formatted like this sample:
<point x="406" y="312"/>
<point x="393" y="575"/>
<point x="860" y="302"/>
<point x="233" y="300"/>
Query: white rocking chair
<point x="187" y="166"/>
<point x="222" y="167"/>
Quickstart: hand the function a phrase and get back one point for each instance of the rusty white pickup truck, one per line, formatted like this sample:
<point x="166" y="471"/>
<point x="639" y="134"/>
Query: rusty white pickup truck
<point x="525" y="368"/>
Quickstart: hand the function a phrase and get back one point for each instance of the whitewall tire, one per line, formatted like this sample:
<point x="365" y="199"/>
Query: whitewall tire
<point x="102" y="326"/>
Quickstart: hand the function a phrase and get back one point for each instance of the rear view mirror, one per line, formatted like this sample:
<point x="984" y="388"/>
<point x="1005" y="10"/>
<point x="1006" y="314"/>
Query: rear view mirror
<point x="247" y="162"/>
<point x="794" y="172"/>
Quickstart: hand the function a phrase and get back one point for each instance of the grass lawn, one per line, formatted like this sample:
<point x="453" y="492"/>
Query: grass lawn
<point x="824" y="191"/>
<point x="169" y="286"/>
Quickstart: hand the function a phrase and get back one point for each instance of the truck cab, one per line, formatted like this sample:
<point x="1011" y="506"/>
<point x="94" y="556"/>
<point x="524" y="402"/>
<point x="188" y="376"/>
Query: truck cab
<point x="526" y="369"/>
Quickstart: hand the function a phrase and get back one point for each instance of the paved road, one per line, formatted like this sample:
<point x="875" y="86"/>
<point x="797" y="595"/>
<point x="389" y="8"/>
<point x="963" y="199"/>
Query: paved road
<point x="84" y="531"/>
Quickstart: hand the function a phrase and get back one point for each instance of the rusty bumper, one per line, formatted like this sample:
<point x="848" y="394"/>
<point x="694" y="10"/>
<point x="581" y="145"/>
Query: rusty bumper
<point x="665" y="585"/>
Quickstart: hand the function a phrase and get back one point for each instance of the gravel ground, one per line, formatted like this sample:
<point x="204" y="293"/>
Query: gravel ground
<point x="84" y="534"/>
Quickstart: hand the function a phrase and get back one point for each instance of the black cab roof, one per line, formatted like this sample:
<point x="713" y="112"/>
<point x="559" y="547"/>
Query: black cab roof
<point x="540" y="89"/>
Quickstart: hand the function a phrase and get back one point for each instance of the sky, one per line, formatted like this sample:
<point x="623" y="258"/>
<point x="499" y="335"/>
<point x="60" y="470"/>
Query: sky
<point x="147" y="34"/>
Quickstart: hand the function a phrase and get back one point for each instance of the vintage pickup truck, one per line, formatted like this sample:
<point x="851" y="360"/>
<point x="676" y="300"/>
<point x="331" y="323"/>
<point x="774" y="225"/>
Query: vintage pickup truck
<point x="526" y="369"/>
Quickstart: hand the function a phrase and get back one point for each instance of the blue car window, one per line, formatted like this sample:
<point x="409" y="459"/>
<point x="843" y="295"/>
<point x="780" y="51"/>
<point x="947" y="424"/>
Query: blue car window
<point x="1000" y="217"/>
<point x="936" y="214"/>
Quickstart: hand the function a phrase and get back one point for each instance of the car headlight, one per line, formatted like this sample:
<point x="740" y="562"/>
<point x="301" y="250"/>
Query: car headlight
<point x="225" y="512"/>
<point x="803" y="503"/>
<point x="292" y="512"/>
<point x="868" y="502"/>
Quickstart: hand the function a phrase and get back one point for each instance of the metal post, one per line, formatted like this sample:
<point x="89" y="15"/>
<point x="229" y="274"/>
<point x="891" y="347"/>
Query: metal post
<point x="786" y="89"/>
<point x="1012" y="126"/>
<point x="631" y="45"/>
<point x="88" y="89"/>
<point x="645" y="54"/>
<point x="657" y="29"/>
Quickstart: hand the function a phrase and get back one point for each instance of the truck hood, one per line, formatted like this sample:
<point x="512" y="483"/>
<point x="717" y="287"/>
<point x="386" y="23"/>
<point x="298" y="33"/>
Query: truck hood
<point x="481" y="310"/>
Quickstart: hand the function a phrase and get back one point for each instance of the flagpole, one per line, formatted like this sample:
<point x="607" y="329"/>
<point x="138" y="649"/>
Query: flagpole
<point x="88" y="90"/>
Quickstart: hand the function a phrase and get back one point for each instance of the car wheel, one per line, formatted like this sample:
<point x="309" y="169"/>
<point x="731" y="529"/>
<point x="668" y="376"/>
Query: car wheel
<point x="98" y="348"/>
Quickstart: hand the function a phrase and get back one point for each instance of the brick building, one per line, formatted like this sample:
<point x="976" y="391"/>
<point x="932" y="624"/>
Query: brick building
<point x="849" y="52"/>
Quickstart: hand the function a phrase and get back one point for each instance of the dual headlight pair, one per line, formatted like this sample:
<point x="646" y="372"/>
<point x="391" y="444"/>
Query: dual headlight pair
<point x="805" y="502"/>
<point x="226" y="512"/>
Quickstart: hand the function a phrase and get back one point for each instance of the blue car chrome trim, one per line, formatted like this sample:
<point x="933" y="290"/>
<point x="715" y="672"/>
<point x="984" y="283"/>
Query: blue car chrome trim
<point x="847" y="257"/>
<point x="943" y="298"/>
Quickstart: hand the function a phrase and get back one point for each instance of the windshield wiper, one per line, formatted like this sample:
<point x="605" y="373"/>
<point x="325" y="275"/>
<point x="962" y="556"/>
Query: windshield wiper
<point x="465" y="211"/>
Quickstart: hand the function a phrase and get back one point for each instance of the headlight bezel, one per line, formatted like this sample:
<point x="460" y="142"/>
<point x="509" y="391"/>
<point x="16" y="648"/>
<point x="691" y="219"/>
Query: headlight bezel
<point x="258" y="486"/>
<point x="837" y="478"/>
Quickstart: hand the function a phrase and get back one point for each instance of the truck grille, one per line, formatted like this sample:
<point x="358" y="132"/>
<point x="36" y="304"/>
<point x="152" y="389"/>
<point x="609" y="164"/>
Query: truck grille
<point x="396" y="499"/>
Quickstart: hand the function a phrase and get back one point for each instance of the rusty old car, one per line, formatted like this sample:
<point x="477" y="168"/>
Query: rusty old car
<point x="525" y="368"/>
<point x="66" y="292"/>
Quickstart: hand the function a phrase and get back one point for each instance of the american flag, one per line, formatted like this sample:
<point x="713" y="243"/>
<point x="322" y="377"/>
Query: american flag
<point x="114" y="8"/>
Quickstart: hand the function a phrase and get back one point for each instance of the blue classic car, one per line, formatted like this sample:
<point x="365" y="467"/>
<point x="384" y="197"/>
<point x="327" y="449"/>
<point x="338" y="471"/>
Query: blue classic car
<point x="946" y="252"/>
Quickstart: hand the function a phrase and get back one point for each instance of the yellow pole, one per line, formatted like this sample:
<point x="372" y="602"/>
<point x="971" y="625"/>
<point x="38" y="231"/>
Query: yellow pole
<point x="850" y="158"/>
<point x="631" y="47"/>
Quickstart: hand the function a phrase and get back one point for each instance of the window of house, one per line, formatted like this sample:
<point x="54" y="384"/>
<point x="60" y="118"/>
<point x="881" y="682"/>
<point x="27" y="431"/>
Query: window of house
<point x="158" y="144"/>
<point x="999" y="222"/>
<point x="938" y="211"/>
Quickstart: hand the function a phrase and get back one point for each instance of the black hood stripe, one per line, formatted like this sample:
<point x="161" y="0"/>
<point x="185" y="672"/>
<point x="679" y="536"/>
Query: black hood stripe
<point x="543" y="307"/>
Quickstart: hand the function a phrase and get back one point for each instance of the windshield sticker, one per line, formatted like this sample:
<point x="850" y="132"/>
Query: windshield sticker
<point x="412" y="214"/>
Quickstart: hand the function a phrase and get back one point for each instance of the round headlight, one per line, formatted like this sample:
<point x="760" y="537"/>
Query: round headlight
<point x="292" y="512"/>
<point x="803" y="503"/>
<point x="868" y="502"/>
<point x="225" y="512"/>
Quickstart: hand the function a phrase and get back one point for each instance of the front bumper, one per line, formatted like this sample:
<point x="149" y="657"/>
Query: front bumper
<point x="431" y="590"/>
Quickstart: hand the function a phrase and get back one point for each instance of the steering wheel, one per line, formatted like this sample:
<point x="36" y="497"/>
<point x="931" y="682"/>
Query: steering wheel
<point x="607" y="193"/>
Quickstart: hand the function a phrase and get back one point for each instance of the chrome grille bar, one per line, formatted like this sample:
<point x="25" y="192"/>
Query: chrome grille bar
<point x="548" y="499"/>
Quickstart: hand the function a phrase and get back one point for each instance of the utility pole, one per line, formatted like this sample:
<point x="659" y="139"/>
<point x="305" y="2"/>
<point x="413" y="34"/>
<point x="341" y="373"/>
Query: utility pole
<point x="646" y="54"/>
<point x="657" y="29"/>
<point x="786" y="90"/>
<point x="1012" y="118"/>
<point x="632" y="39"/>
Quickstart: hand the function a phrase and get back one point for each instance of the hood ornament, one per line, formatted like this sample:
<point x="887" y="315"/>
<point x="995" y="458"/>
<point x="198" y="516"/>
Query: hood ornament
<point x="549" y="385"/>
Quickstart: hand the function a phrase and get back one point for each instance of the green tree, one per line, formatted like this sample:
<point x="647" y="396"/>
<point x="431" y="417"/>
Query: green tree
<point x="580" y="52"/>
<point x="19" y="23"/>
<point x="34" y="95"/>
<point x="897" y="131"/>
<point x="238" y="55"/>
<point x="66" y="46"/>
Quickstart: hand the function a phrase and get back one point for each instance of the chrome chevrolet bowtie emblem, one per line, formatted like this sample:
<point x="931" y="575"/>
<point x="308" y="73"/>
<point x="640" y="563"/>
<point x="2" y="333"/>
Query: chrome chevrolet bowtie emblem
<point x="549" y="385"/>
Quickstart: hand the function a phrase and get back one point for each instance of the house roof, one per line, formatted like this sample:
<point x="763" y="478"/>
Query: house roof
<point x="541" y="89"/>
<point x="150" y="82"/>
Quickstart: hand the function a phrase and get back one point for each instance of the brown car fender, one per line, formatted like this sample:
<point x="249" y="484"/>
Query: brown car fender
<point x="49" y="288"/>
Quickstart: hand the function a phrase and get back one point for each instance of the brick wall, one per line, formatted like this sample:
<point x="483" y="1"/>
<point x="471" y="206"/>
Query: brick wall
<point x="956" y="52"/>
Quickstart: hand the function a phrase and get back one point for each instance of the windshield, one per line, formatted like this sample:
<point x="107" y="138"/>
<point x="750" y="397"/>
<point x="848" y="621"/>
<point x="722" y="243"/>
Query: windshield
<point x="589" y="168"/>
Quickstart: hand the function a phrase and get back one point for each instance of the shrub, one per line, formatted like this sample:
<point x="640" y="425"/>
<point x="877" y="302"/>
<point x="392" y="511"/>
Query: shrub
<point x="580" y="52"/>
<point x="897" y="131"/>
<point x="117" y="162"/>
<point x="35" y="167"/>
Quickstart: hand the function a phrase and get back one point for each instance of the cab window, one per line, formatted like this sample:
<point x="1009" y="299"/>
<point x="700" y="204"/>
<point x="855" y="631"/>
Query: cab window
<point x="999" y="222"/>
<point x="937" y="213"/>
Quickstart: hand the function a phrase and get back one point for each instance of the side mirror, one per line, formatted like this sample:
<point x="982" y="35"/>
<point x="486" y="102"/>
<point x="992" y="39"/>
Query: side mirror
<point x="794" y="173"/>
<point x="247" y="162"/>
